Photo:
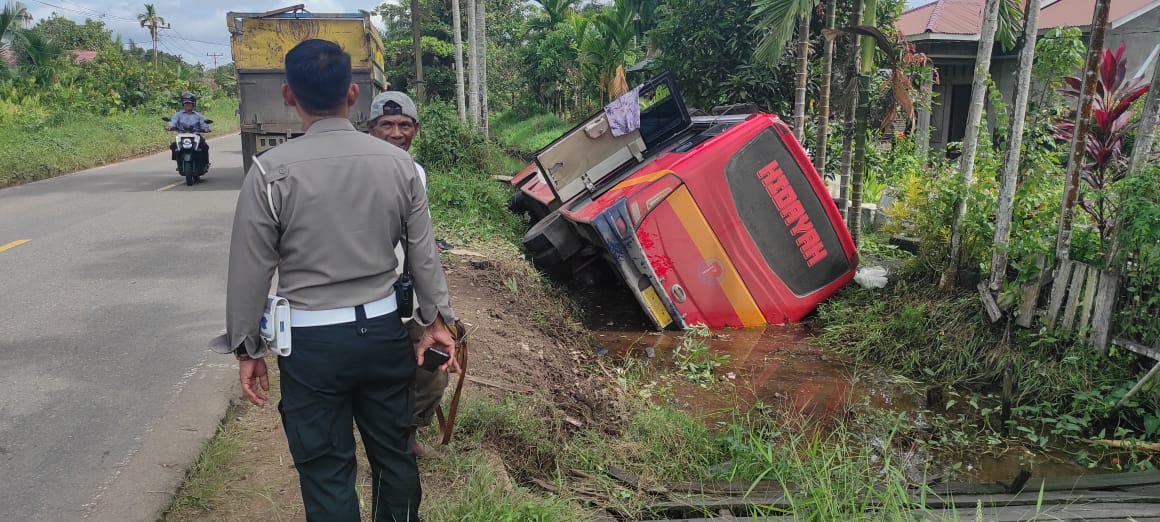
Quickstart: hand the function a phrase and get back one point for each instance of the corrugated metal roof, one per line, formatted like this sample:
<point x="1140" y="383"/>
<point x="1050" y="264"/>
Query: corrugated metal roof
<point x="965" y="17"/>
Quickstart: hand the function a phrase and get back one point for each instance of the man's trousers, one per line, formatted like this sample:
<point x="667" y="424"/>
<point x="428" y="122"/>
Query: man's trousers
<point x="362" y="372"/>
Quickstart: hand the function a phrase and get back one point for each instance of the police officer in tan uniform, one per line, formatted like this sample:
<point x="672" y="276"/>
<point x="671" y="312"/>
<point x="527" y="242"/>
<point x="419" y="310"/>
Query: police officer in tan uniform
<point x="326" y="209"/>
<point x="395" y="118"/>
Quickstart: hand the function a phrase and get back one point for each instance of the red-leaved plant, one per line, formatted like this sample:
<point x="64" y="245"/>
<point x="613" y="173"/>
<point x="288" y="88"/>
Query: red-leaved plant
<point x="1105" y="161"/>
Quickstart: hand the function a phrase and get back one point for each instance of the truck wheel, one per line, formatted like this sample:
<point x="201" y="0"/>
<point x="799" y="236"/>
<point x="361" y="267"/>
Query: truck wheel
<point x="552" y="242"/>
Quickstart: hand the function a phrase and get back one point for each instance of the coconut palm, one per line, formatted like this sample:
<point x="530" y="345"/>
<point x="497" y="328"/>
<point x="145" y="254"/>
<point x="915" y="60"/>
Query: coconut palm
<point x="457" y="38"/>
<point x="776" y="19"/>
<point x="150" y="20"/>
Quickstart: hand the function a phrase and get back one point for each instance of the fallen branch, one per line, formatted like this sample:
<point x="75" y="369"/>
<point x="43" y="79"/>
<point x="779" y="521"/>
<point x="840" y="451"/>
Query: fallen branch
<point x="514" y="388"/>
<point x="1128" y="444"/>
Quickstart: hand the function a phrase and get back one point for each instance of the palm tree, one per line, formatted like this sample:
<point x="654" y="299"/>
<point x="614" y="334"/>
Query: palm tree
<point x="473" y="53"/>
<point x="824" y="95"/>
<point x="1083" y="118"/>
<point x="971" y="139"/>
<point x="150" y="20"/>
<point x="776" y="18"/>
<point x="417" y="45"/>
<point x="10" y="22"/>
<point x="1010" y="172"/>
<point x="866" y="47"/>
<point x="555" y="13"/>
<point x="481" y="42"/>
<point x="457" y="38"/>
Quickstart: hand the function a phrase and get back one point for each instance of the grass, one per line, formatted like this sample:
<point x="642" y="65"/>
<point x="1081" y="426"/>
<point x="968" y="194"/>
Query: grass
<point x="206" y="481"/>
<point x="42" y="149"/>
<point x="526" y="135"/>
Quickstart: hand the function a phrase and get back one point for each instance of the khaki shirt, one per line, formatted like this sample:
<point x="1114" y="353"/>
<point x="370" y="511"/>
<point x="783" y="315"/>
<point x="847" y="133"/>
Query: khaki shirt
<point x="339" y="198"/>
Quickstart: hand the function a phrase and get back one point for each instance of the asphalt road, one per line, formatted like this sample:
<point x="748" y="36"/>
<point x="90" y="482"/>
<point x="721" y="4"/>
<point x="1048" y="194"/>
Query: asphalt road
<point x="112" y="281"/>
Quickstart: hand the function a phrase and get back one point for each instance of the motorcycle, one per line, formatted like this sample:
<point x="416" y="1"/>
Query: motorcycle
<point x="186" y="151"/>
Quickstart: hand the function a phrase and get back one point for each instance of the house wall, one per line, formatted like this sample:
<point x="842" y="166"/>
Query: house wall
<point x="1140" y="35"/>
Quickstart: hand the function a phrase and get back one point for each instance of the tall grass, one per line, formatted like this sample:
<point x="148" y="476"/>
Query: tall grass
<point x="38" y="148"/>
<point x="467" y="203"/>
<point x="527" y="134"/>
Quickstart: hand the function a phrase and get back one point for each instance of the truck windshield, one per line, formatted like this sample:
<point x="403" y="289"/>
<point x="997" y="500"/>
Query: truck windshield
<point x="784" y="216"/>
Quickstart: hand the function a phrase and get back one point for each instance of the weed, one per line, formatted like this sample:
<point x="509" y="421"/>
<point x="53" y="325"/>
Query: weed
<point x="693" y="357"/>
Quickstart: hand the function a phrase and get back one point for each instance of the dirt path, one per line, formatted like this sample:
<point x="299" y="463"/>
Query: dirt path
<point x="522" y="338"/>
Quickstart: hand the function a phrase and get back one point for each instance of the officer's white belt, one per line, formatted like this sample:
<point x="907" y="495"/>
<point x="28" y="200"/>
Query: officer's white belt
<point x="308" y="318"/>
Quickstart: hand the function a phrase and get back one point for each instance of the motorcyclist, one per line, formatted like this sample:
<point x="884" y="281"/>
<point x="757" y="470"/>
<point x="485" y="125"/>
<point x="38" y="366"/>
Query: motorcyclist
<point x="189" y="120"/>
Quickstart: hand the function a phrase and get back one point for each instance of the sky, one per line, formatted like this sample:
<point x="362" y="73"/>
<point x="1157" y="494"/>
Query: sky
<point x="197" y="31"/>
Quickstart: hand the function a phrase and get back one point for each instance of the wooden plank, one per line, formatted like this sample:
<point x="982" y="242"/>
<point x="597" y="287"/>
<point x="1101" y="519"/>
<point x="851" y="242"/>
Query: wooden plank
<point x="1031" y="294"/>
<point x="1032" y="498"/>
<point x="701" y="503"/>
<point x="989" y="304"/>
<point x="1104" y="308"/>
<point x="1137" y="347"/>
<point x="1091" y="512"/>
<point x="1074" y="483"/>
<point x="726" y="488"/>
<point x="1089" y="297"/>
<point x="1057" y="291"/>
<point x="1073" y="296"/>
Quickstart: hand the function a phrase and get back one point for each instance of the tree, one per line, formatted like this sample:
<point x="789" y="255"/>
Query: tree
<point x="708" y="47"/>
<point x="824" y="95"/>
<point x="1082" y="122"/>
<point x="11" y="18"/>
<point x="971" y="139"/>
<point x="776" y="19"/>
<point x="457" y="38"/>
<point x="417" y="49"/>
<point x="153" y="22"/>
<point x="1142" y="148"/>
<point x="481" y="43"/>
<point x="473" y="91"/>
<point x="866" y="67"/>
<point x="1010" y="173"/>
<point x="92" y="35"/>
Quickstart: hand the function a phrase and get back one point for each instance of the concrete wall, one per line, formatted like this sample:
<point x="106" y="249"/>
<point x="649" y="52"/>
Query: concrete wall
<point x="1140" y="35"/>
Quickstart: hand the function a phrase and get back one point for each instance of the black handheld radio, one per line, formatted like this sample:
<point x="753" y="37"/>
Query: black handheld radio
<point x="404" y="286"/>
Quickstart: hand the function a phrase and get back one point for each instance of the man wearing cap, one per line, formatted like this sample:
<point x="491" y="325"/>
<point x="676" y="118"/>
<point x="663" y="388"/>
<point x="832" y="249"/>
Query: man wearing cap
<point x="325" y="209"/>
<point x="395" y="120"/>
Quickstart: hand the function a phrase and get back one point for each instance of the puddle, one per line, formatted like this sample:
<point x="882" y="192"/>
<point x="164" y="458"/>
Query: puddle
<point x="777" y="366"/>
<point x="774" y="365"/>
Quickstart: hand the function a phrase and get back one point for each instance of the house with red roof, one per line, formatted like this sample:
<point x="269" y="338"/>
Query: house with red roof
<point x="948" y="32"/>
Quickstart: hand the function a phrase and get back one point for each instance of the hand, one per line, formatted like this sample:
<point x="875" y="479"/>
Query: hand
<point x="252" y="374"/>
<point x="437" y="336"/>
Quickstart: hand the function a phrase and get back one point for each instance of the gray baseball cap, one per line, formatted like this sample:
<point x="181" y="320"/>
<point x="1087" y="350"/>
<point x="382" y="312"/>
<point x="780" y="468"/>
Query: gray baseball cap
<point x="406" y="106"/>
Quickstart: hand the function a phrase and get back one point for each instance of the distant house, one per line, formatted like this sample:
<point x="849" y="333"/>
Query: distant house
<point x="76" y="55"/>
<point x="948" y="32"/>
<point x="82" y="56"/>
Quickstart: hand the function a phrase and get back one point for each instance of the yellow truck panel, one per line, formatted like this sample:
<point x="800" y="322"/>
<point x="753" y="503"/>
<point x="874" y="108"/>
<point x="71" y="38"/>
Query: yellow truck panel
<point x="263" y="42"/>
<point x="259" y="43"/>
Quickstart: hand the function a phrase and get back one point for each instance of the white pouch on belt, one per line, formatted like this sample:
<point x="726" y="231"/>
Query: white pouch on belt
<point x="276" y="325"/>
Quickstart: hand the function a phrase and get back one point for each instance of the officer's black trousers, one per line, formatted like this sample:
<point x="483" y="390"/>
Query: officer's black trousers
<point x="361" y="371"/>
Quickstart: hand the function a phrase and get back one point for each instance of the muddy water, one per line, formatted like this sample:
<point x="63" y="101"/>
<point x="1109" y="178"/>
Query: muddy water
<point x="777" y="366"/>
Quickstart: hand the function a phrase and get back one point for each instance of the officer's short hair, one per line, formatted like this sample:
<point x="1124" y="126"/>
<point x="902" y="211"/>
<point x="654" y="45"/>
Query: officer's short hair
<point x="319" y="74"/>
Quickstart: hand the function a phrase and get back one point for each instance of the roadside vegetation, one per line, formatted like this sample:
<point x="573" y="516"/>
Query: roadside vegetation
<point x="72" y="96"/>
<point x="991" y="387"/>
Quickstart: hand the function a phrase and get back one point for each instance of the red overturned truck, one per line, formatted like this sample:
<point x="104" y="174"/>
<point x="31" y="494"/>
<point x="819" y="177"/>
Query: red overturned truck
<point x="719" y="220"/>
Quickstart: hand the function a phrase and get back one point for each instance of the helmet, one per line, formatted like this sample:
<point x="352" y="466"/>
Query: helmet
<point x="188" y="97"/>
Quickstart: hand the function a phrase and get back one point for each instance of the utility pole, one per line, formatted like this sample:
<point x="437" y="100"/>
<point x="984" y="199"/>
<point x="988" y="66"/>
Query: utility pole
<point x="215" y="57"/>
<point x="153" y="28"/>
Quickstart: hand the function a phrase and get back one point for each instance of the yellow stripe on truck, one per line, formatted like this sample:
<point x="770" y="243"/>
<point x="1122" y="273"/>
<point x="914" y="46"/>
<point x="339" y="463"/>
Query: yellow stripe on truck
<point x="707" y="245"/>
